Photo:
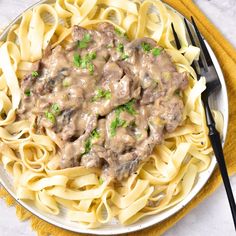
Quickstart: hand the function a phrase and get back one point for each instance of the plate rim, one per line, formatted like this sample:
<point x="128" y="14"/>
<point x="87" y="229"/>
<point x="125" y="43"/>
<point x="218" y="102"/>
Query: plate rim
<point x="179" y="206"/>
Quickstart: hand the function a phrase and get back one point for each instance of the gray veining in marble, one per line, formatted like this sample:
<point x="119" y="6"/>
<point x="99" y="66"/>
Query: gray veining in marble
<point x="210" y="218"/>
<point x="223" y="14"/>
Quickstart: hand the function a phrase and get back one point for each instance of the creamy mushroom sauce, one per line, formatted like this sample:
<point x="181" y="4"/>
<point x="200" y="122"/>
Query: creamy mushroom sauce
<point x="107" y="100"/>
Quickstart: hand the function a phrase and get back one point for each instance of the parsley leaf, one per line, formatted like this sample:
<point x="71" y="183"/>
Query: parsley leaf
<point x="95" y="134"/>
<point x="53" y="112"/>
<point x="55" y="109"/>
<point x="27" y="92"/>
<point x="92" y="55"/>
<point x="86" y="61"/>
<point x="156" y="52"/>
<point x="87" y="38"/>
<point x="90" y="67"/>
<point x="77" y="60"/>
<point x="107" y="95"/>
<point x="124" y="56"/>
<point x="128" y="107"/>
<point x="50" y="117"/>
<point x="35" y="74"/>
<point x="116" y="123"/>
<point x="146" y="47"/>
<point x="120" y="33"/>
<point x="102" y="94"/>
<point x="120" y="47"/>
<point x="84" y="42"/>
<point x="88" y="143"/>
<point x="87" y="146"/>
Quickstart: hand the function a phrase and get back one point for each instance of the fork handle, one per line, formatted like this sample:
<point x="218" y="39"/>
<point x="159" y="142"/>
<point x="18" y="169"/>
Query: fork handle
<point x="217" y="147"/>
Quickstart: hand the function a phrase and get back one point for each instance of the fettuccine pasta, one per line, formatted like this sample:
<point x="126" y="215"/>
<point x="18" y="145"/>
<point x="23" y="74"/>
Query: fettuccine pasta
<point x="171" y="171"/>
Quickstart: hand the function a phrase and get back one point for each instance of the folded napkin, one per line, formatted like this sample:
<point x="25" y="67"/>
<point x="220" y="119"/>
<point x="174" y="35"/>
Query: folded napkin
<point x="226" y="55"/>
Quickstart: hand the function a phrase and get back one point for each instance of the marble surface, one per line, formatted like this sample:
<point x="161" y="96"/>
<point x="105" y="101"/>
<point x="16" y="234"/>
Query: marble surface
<point x="212" y="217"/>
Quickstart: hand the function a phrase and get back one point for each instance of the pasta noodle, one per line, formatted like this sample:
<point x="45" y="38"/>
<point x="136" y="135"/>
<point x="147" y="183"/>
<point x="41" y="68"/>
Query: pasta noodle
<point x="173" y="168"/>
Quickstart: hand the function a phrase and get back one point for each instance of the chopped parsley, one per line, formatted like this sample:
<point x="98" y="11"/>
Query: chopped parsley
<point x="156" y="52"/>
<point x="86" y="61"/>
<point x="100" y="94"/>
<point x="53" y="112"/>
<point x="88" y="143"/>
<point x="55" y="109"/>
<point x="90" y="67"/>
<point x="87" y="38"/>
<point x="84" y="42"/>
<point x="128" y="107"/>
<point x="50" y="117"/>
<point x="116" y="123"/>
<point x="77" y="60"/>
<point x="124" y="56"/>
<point x="120" y="47"/>
<point x="120" y="33"/>
<point x="146" y="47"/>
<point x="27" y="92"/>
<point x="92" y="55"/>
<point x="95" y="134"/>
<point x="35" y="74"/>
<point x="87" y="146"/>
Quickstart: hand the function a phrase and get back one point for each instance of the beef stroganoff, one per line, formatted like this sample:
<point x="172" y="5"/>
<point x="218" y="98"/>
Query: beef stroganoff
<point x="100" y="113"/>
<point x="116" y="112"/>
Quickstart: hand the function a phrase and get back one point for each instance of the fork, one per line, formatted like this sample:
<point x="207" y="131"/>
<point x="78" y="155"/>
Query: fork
<point x="205" y="67"/>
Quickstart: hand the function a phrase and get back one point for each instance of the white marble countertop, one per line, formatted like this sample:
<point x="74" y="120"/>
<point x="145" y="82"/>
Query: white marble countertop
<point x="212" y="217"/>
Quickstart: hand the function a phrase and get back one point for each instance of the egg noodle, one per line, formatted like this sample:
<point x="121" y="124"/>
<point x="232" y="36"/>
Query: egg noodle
<point x="160" y="183"/>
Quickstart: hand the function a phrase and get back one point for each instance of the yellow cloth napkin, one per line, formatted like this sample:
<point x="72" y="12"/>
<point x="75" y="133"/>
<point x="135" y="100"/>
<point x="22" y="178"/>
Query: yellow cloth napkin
<point x="226" y="55"/>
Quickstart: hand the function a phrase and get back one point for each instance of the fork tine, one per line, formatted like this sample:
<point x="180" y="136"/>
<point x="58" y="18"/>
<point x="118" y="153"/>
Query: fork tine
<point x="203" y="45"/>
<point x="177" y="41"/>
<point x="200" y="62"/>
<point x="193" y="43"/>
<point x="189" y="32"/>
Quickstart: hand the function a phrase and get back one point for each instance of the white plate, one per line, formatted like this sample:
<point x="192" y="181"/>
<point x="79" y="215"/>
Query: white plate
<point x="218" y="101"/>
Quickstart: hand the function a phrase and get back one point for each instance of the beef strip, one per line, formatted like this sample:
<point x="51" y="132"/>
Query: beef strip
<point x="107" y="99"/>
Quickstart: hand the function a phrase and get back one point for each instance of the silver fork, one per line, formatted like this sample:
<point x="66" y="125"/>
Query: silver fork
<point x="207" y="69"/>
